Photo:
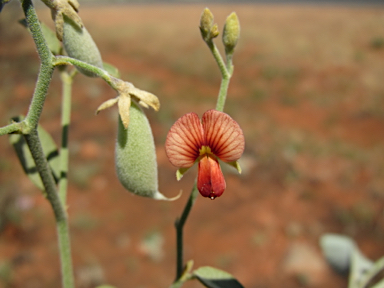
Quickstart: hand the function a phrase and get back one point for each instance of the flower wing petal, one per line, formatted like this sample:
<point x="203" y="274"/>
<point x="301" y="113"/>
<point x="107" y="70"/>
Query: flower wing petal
<point x="223" y="135"/>
<point x="184" y="140"/>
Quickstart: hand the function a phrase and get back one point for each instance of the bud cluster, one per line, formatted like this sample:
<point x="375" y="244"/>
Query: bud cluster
<point x="231" y="32"/>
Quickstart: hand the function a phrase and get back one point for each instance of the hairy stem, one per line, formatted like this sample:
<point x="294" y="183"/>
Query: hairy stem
<point x="64" y="60"/>
<point x="29" y="129"/>
<point x="34" y="145"/>
<point x="179" y="225"/>
<point x="46" y="69"/>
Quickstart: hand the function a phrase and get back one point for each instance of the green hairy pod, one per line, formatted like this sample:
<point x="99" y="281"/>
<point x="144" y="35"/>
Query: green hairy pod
<point x="79" y="44"/>
<point x="135" y="156"/>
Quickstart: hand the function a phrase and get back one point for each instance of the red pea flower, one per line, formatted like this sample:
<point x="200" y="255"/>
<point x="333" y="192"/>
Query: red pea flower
<point x="217" y="136"/>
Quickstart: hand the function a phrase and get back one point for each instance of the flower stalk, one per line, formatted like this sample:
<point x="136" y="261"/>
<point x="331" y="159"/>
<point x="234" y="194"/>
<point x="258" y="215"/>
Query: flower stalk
<point x="188" y="141"/>
<point x="179" y="225"/>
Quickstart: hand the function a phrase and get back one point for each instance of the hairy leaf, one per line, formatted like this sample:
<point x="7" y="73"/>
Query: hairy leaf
<point x="50" y="150"/>
<point x="216" y="278"/>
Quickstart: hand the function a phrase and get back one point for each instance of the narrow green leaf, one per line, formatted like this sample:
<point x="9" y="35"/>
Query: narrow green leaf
<point x="215" y="278"/>
<point x="52" y="41"/>
<point x="49" y="36"/>
<point x="111" y="69"/>
<point x="25" y="157"/>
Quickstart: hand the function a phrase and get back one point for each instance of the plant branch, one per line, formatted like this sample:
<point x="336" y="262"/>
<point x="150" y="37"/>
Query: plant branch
<point x="15" y="127"/>
<point x="179" y="225"/>
<point x="67" y="81"/>
<point x="46" y="68"/>
<point x="28" y="127"/>
<point x="41" y="163"/>
<point x="64" y="60"/>
<point x="226" y="71"/>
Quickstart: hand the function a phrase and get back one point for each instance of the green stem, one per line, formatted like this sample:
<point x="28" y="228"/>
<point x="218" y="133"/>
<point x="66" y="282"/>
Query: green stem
<point x="44" y="78"/>
<point x="222" y="94"/>
<point x="46" y="68"/>
<point x="11" y="128"/>
<point x="65" y="121"/>
<point x="225" y="75"/>
<point x="41" y="163"/>
<point x="64" y="60"/>
<point x="29" y="128"/>
<point x="179" y="225"/>
<point x="65" y="253"/>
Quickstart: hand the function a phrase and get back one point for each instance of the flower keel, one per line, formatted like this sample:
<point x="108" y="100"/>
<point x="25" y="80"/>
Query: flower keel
<point x="210" y="179"/>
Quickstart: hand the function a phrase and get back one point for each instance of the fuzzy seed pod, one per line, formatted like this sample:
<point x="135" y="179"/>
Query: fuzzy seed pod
<point x="79" y="44"/>
<point x="135" y="156"/>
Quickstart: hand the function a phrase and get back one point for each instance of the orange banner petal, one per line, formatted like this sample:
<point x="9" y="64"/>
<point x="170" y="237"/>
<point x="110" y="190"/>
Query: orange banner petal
<point x="223" y="135"/>
<point x="184" y="140"/>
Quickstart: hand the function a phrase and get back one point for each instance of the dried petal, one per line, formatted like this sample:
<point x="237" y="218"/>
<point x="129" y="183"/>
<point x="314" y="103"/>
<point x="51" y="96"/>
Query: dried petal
<point x="223" y="135"/>
<point x="184" y="140"/>
<point x="210" y="179"/>
<point x="59" y="8"/>
<point x="124" y="103"/>
<point x="145" y="97"/>
<point x="107" y="104"/>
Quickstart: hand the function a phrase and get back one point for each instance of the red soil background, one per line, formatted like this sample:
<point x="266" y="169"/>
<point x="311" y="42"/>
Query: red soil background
<point x="307" y="90"/>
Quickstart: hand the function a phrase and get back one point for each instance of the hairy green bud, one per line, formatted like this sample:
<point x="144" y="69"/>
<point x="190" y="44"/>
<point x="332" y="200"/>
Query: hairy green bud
<point x="231" y="33"/>
<point x="135" y="156"/>
<point x="208" y="29"/>
<point x="78" y="44"/>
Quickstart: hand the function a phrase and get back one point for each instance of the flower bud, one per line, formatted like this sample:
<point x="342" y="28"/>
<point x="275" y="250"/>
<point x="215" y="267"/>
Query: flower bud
<point x="207" y="28"/>
<point x="231" y="33"/>
<point x="79" y="44"/>
<point x="135" y="156"/>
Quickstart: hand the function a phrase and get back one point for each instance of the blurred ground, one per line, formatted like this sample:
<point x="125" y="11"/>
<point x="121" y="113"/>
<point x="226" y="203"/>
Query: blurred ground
<point x="307" y="90"/>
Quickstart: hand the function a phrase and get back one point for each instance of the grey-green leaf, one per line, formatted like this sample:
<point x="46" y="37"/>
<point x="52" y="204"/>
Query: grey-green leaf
<point x="52" y="41"/>
<point x="215" y="278"/>
<point x="25" y="157"/>
<point x="49" y="35"/>
<point x="338" y="250"/>
<point x="111" y="70"/>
